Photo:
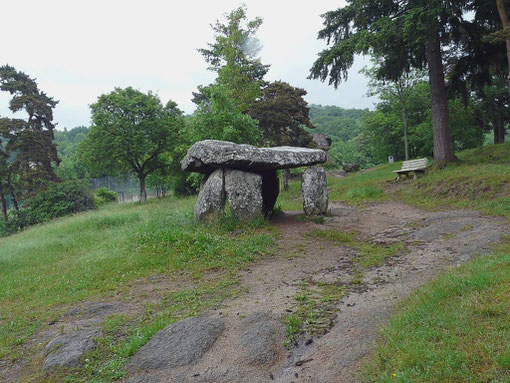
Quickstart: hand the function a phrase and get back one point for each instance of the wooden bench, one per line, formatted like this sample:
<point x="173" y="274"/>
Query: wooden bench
<point x="412" y="166"/>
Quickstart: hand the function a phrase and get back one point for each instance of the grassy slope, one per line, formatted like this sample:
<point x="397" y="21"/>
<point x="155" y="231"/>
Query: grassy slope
<point x="98" y="254"/>
<point x="47" y="268"/>
<point x="457" y="328"/>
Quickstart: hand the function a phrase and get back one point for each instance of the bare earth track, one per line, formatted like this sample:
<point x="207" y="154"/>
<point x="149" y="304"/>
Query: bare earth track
<point x="435" y="241"/>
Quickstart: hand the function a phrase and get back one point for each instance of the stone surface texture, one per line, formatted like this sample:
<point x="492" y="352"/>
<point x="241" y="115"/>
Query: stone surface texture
<point x="178" y="344"/>
<point x="323" y="141"/>
<point x="67" y="350"/>
<point x="211" y="198"/>
<point x="315" y="191"/>
<point x="244" y="192"/>
<point x="208" y="155"/>
<point x="262" y="339"/>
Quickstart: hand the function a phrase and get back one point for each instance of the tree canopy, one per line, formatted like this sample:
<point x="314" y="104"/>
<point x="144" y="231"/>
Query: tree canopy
<point x="131" y="134"/>
<point x="403" y="35"/>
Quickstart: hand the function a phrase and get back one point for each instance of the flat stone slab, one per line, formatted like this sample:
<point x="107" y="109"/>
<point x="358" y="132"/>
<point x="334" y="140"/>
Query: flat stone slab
<point x="208" y="155"/>
<point x="67" y="350"/>
<point x="178" y="344"/>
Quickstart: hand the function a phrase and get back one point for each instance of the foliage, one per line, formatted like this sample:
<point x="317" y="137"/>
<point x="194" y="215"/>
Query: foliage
<point x="221" y="119"/>
<point x="68" y="141"/>
<point x="104" y="195"/>
<point x="133" y="132"/>
<point x="27" y="152"/>
<point x="58" y="200"/>
<point x="233" y="56"/>
<point x="402" y="35"/>
<point x="282" y="114"/>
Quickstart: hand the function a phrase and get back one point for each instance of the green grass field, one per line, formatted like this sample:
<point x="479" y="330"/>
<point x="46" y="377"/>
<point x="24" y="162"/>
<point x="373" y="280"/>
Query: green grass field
<point x="455" y="329"/>
<point x="98" y="254"/>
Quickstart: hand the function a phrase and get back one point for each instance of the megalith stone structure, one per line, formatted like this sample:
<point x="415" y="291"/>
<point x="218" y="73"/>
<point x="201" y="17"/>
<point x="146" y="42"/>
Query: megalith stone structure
<point x="244" y="192"/>
<point x="244" y="174"/>
<point x="211" y="198"/>
<point x="314" y="188"/>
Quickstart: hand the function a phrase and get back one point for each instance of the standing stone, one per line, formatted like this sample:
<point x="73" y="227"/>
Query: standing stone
<point x="244" y="192"/>
<point x="315" y="191"/>
<point x="211" y="198"/>
<point x="270" y="191"/>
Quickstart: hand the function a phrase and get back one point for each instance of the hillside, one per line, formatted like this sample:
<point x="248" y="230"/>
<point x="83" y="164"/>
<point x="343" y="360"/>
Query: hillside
<point x="133" y="269"/>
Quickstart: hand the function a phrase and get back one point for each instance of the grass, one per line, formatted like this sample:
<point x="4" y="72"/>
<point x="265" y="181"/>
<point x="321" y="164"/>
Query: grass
<point x="456" y="329"/>
<point x="99" y="254"/>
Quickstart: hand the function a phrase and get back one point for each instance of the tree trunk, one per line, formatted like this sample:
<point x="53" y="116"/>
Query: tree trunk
<point x="14" y="201"/>
<point x="499" y="131"/>
<point x="143" y="191"/>
<point x="406" y="139"/>
<point x="3" y="204"/>
<point x="504" y="20"/>
<point x="443" y="143"/>
<point x="286" y="178"/>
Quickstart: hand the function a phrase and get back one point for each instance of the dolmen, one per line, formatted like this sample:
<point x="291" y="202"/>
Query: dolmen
<point x="247" y="177"/>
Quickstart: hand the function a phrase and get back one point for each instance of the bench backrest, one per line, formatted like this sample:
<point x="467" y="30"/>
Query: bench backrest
<point x="415" y="164"/>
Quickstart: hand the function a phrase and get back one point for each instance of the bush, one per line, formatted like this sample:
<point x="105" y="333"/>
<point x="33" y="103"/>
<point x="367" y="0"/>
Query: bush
<point x="104" y="195"/>
<point x="58" y="200"/>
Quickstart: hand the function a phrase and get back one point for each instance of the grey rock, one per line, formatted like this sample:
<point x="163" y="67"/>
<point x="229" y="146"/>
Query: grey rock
<point x="244" y="192"/>
<point x="350" y="167"/>
<point x="270" y="191"/>
<point x="178" y="344"/>
<point x="315" y="191"/>
<point x="205" y="156"/>
<point x="67" y="350"/>
<point x="323" y="141"/>
<point x="262" y="339"/>
<point x="211" y="198"/>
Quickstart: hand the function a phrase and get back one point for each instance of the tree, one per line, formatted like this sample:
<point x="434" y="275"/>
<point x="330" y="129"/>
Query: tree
<point x="132" y="132"/>
<point x="233" y="56"/>
<point x="400" y="88"/>
<point x="282" y="114"/>
<point x="221" y="119"/>
<point x="28" y="154"/>
<point x="404" y="34"/>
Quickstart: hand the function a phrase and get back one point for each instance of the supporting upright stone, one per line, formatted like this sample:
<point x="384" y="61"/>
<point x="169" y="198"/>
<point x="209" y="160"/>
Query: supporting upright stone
<point x="244" y="192"/>
<point x="315" y="191"/>
<point x="211" y="198"/>
<point x="270" y="191"/>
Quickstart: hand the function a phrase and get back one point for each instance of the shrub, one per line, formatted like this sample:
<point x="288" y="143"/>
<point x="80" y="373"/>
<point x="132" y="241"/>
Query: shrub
<point x="58" y="200"/>
<point x="104" y="195"/>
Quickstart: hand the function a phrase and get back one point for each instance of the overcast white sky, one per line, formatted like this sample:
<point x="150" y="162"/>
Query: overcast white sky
<point x="78" y="50"/>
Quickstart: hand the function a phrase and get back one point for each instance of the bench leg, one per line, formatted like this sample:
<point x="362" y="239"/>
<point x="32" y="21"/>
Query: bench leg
<point x="415" y="176"/>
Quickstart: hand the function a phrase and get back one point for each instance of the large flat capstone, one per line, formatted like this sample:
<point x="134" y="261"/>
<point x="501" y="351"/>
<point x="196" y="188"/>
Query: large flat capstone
<point x="207" y="155"/>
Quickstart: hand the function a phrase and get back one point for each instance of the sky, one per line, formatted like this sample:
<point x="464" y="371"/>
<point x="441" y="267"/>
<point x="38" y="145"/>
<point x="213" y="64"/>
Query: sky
<point x="78" y="50"/>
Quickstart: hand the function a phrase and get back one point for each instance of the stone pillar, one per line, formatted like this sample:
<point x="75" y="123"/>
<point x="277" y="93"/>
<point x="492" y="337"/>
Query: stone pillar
<point x="315" y="191"/>
<point x="211" y="198"/>
<point x="244" y="192"/>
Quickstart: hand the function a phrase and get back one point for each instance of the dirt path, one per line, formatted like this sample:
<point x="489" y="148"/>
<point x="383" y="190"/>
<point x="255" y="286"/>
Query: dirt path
<point x="434" y="242"/>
